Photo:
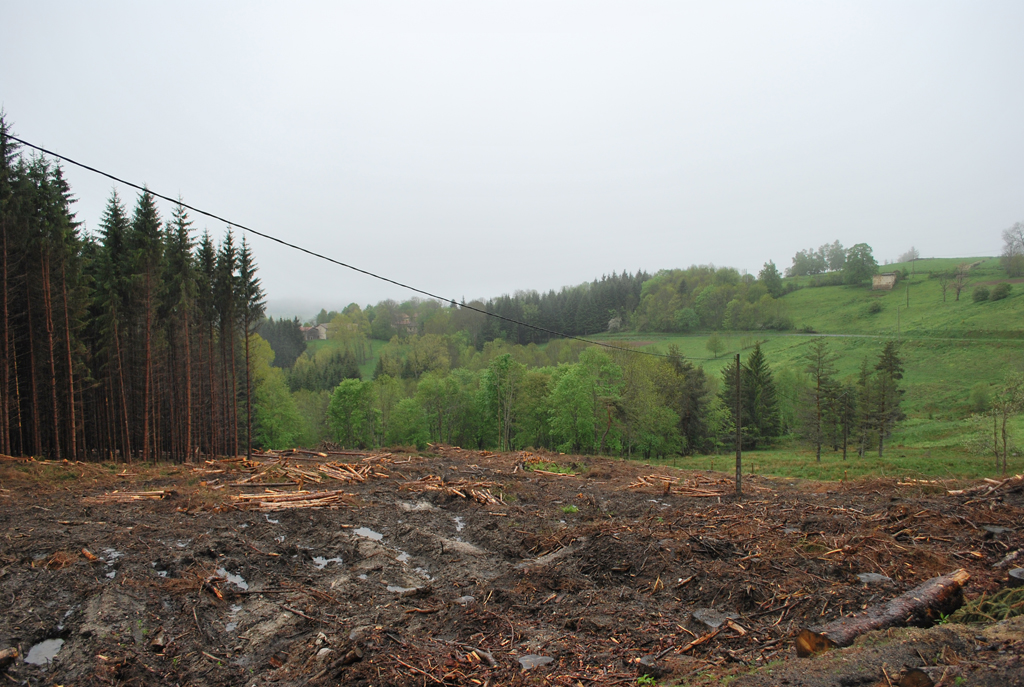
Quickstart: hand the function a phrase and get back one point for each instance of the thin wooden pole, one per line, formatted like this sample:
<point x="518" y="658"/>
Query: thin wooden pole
<point x="739" y="422"/>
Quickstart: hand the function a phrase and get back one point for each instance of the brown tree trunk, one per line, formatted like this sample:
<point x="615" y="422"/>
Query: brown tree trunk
<point x="234" y="395"/>
<point x="37" y="440"/>
<point x="212" y="437"/>
<point x="73" y="425"/>
<point x="48" y="322"/>
<point x="124" y="400"/>
<point x="188" y="390"/>
<point x="17" y="401"/>
<point x="249" y="402"/>
<point x="921" y="606"/>
<point x="5" y="354"/>
<point x="147" y="374"/>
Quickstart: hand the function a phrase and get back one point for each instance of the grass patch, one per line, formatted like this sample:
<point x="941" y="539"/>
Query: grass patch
<point x="548" y="466"/>
<point x="899" y="462"/>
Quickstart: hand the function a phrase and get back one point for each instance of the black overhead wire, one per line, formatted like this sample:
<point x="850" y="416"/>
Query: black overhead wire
<point x="332" y="260"/>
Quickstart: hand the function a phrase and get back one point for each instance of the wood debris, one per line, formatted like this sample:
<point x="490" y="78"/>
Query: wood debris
<point x="274" y="501"/>
<point x="670" y="485"/>
<point x="476" y="491"/>
<point x="990" y="487"/>
<point x="129" y="496"/>
<point x="923" y="604"/>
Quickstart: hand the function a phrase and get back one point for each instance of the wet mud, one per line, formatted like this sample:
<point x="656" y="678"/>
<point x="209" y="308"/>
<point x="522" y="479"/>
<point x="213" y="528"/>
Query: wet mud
<point x="598" y="577"/>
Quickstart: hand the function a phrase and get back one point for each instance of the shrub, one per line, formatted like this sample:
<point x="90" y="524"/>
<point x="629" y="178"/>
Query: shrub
<point x="979" y="398"/>
<point x="1000" y="291"/>
<point x="980" y="294"/>
<point x="875" y="308"/>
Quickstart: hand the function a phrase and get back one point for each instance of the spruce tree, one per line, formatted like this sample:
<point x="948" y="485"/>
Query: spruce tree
<point x="820" y="365"/>
<point x="251" y="305"/>
<point x="889" y="396"/>
<point x="760" y="399"/>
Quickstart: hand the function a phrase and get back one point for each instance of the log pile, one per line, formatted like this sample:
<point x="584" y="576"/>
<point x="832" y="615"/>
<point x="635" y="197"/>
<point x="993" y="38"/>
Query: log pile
<point x="271" y="501"/>
<point x="315" y="473"/>
<point x="670" y="485"/>
<point x="476" y="491"/>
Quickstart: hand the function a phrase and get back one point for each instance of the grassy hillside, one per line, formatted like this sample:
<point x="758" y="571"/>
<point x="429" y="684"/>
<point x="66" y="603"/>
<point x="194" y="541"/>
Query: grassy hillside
<point x="948" y="347"/>
<point x="847" y="309"/>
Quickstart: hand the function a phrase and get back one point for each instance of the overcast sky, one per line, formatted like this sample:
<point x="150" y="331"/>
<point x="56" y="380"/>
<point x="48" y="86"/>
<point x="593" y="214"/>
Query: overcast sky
<point x="477" y="148"/>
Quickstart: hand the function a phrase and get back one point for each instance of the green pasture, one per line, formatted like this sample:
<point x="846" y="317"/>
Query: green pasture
<point x="901" y="461"/>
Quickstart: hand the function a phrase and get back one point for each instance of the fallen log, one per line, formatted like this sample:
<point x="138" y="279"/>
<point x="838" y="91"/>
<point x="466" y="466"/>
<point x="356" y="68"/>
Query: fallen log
<point x="920" y="606"/>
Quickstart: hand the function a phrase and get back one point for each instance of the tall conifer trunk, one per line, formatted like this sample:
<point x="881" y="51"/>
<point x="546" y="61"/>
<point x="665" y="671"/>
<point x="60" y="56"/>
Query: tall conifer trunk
<point x="234" y="396"/>
<point x="126" y="428"/>
<point x="188" y="390"/>
<point x="5" y="352"/>
<point x="37" y="440"/>
<point x="48" y="323"/>
<point x="72" y="434"/>
<point x="147" y="373"/>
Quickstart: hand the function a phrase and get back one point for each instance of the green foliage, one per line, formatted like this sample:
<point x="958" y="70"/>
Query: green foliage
<point x="980" y="294"/>
<point x="277" y="423"/>
<point x="408" y="426"/>
<point x="988" y="608"/>
<point x="550" y="466"/>
<point x="1000" y="291"/>
<point x="875" y="307"/>
<point x="570" y="509"/>
<point x="715" y="344"/>
<point x="860" y="264"/>
<point x="350" y="413"/>
<point x="980" y="399"/>
<point x="759" y="407"/>
<point x="771" y="278"/>
<point x="285" y="338"/>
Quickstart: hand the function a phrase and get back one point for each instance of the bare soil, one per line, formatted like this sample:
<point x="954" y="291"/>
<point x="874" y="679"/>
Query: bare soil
<point x="399" y="580"/>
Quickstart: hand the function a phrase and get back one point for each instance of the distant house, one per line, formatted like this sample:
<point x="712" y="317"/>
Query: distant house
<point x="314" y="333"/>
<point x="883" y="282"/>
<point x="404" y="323"/>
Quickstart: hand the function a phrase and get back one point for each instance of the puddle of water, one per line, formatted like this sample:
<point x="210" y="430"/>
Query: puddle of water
<point x="320" y="562"/>
<point x="369" y="534"/>
<point x="272" y="522"/>
<point x="236" y="580"/>
<point x="403" y="557"/>
<point x="417" y="506"/>
<point x="60" y="625"/>
<point x="44" y="652"/>
<point x="531" y="661"/>
<point x="399" y="590"/>
<point x="873" y="578"/>
<point x="233" y="615"/>
<point x="459" y="523"/>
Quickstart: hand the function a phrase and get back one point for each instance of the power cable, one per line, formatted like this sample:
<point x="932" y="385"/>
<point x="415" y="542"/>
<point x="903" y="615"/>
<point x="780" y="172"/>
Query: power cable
<point x="330" y="259"/>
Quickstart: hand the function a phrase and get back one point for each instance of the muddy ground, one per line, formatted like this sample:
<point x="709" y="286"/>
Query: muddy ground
<point x="570" y="580"/>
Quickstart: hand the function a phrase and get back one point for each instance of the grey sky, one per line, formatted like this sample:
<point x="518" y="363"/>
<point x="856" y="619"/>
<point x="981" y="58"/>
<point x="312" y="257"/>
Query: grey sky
<point x="477" y="148"/>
